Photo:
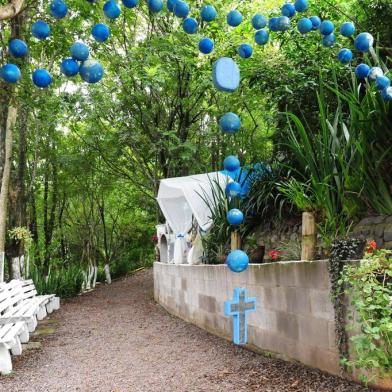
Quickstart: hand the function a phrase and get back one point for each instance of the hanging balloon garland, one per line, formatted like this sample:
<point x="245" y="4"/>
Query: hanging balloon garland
<point x="225" y="72"/>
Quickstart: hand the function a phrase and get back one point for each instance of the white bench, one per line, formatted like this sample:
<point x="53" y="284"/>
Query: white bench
<point x="20" y="308"/>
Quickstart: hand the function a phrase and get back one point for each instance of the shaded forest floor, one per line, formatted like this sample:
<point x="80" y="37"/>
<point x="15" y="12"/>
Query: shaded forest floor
<point x="117" y="339"/>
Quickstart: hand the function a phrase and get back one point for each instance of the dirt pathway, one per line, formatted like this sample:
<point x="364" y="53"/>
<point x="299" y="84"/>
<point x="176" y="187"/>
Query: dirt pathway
<point x="117" y="339"/>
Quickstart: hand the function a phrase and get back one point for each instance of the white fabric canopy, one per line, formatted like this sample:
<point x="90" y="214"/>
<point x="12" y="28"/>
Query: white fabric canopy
<point x="181" y="197"/>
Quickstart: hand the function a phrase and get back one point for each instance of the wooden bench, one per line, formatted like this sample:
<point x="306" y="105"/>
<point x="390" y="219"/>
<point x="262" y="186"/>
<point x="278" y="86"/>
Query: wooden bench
<point x="21" y="307"/>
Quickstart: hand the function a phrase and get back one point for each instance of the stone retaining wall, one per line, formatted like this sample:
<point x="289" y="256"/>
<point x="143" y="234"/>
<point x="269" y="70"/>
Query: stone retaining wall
<point x="294" y="317"/>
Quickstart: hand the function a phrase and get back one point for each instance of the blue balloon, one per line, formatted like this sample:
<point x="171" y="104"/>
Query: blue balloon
<point x="304" y="25"/>
<point x="237" y="261"/>
<point x="206" y="45"/>
<point x="233" y="189"/>
<point x="111" y="9"/>
<point x="235" y="217"/>
<point x="69" y="67"/>
<point x="42" y="78"/>
<point x="10" y="73"/>
<point x="375" y="72"/>
<point x="155" y="5"/>
<point x="190" y="25"/>
<point x="91" y="71"/>
<point x="345" y="55"/>
<point x="231" y="163"/>
<point x="387" y="94"/>
<point x="58" y="9"/>
<point x="259" y="21"/>
<point x="40" y="29"/>
<point x="363" y="42"/>
<point x="208" y="13"/>
<point x="327" y="27"/>
<point x="181" y="9"/>
<point x="283" y="23"/>
<point x="17" y="48"/>
<point x="288" y="10"/>
<point x="362" y="71"/>
<point x="226" y="75"/>
<point x="130" y="3"/>
<point x="100" y="32"/>
<point x="245" y="51"/>
<point x="230" y="123"/>
<point x="382" y="82"/>
<point x="316" y="22"/>
<point x="273" y="24"/>
<point x="261" y="37"/>
<point x="329" y="40"/>
<point x="171" y="4"/>
<point x="234" y="18"/>
<point x="80" y="51"/>
<point x="301" y="5"/>
<point x="347" y="29"/>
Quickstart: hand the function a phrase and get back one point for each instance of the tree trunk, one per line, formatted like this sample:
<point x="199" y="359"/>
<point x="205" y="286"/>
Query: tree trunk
<point x="107" y="274"/>
<point x="10" y="10"/>
<point x="5" y="182"/>
<point x="309" y="238"/>
<point x="15" y="268"/>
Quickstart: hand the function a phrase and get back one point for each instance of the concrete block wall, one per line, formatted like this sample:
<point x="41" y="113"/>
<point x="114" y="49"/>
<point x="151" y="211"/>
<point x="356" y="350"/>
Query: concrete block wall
<point x="294" y="317"/>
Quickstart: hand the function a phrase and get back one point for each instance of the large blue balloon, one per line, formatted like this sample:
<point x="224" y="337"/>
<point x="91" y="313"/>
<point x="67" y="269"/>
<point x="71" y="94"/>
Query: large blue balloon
<point x="80" y="51"/>
<point x="226" y="75"/>
<point x="181" y="9"/>
<point x="155" y="5"/>
<point x="42" y="78"/>
<point x="316" y="22"/>
<point x="301" y="5"/>
<point x="273" y="24"/>
<point x="17" y="48"/>
<point x="231" y="163"/>
<point x="347" y="29"/>
<point x="208" y="13"/>
<point x="171" y="4"/>
<point x="233" y="189"/>
<point x="206" y="45"/>
<point x="362" y="71"/>
<point x="58" y="9"/>
<point x="190" y="25"/>
<point x="91" y="71"/>
<point x="237" y="261"/>
<point x="327" y="27"/>
<point x="329" y="40"/>
<point x="261" y="37"/>
<point x="382" y="82"/>
<point x="111" y="9"/>
<point x="259" y="21"/>
<point x="100" y="32"/>
<point x="130" y="3"/>
<point x="284" y="23"/>
<point x="230" y="123"/>
<point x="10" y="73"/>
<point x="304" y="25"/>
<point x="375" y="72"/>
<point x="40" y="29"/>
<point x="363" y="42"/>
<point x="345" y="55"/>
<point x="234" y="18"/>
<point x="69" y="67"/>
<point x="387" y="94"/>
<point x="235" y="217"/>
<point x="245" y="51"/>
<point x="288" y="10"/>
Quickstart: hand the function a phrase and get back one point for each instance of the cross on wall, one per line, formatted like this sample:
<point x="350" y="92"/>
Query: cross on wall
<point x="239" y="307"/>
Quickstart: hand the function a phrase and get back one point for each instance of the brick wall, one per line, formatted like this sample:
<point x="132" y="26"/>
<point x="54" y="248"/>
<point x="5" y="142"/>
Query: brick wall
<point x="294" y="317"/>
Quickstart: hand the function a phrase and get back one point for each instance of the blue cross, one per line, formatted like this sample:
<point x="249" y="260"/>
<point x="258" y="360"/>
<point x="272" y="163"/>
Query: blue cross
<point x="239" y="308"/>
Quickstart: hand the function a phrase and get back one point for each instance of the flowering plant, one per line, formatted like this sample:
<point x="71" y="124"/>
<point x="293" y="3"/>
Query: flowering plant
<point x="274" y="254"/>
<point x="371" y="246"/>
<point x="154" y="238"/>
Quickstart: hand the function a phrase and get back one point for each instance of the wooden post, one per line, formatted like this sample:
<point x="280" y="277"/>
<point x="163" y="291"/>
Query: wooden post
<point x="309" y="236"/>
<point x="235" y="240"/>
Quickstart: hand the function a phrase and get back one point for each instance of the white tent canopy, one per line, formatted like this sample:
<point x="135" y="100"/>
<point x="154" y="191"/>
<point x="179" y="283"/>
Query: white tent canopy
<point x="181" y="197"/>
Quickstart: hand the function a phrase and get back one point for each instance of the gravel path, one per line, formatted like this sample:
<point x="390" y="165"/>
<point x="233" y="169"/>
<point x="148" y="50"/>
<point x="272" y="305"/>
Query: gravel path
<point x="117" y="339"/>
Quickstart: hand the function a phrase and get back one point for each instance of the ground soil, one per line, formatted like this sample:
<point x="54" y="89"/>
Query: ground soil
<point x="117" y="339"/>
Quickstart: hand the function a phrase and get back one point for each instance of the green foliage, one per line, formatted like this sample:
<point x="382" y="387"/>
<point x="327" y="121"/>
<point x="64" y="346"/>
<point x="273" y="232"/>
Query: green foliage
<point x="65" y="282"/>
<point x="369" y="286"/>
